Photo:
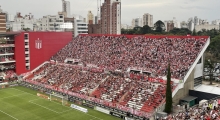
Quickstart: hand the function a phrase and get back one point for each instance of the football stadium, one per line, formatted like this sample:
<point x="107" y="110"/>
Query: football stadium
<point x="53" y="75"/>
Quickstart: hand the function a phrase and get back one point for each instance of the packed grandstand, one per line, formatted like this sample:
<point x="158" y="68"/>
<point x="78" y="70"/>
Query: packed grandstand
<point x="207" y="110"/>
<point x="123" y="72"/>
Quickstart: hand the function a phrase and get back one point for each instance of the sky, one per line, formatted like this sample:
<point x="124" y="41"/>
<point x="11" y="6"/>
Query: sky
<point x="182" y="10"/>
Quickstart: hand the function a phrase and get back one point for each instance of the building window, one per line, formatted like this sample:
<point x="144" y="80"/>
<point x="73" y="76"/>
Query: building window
<point x="26" y="36"/>
<point x="27" y="68"/>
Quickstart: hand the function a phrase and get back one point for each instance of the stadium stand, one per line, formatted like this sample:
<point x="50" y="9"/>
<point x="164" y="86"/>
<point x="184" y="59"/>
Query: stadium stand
<point x="124" y="71"/>
<point x="207" y="111"/>
<point x="119" y="53"/>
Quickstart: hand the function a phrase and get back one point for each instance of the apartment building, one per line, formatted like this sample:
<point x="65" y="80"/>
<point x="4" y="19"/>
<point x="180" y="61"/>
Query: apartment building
<point x="111" y="17"/>
<point x="148" y="20"/>
<point x="2" y="21"/>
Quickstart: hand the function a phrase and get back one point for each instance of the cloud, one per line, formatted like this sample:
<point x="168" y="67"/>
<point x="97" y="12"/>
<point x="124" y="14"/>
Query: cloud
<point x="156" y="4"/>
<point x="193" y="7"/>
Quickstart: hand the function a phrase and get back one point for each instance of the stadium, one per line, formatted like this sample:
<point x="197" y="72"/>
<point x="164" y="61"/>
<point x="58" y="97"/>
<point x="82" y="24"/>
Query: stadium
<point x="105" y="76"/>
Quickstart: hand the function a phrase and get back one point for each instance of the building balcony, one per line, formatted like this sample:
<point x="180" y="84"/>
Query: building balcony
<point x="9" y="39"/>
<point x="84" y="27"/>
<point x="8" y="61"/>
<point x="5" y="54"/>
<point x="82" y="30"/>
<point x="7" y="45"/>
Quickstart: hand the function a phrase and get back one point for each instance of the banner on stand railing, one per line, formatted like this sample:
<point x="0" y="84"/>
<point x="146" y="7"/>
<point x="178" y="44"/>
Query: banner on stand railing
<point x="115" y="108"/>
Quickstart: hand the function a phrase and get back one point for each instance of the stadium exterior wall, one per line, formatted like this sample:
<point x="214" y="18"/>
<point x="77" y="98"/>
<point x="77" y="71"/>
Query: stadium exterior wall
<point x="199" y="72"/>
<point x="199" y="68"/>
<point x="189" y="85"/>
<point x="51" y="43"/>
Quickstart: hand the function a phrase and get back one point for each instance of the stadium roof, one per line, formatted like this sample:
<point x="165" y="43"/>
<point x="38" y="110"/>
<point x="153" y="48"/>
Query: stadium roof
<point x="208" y="89"/>
<point x="3" y="34"/>
<point x="188" y="98"/>
<point x="149" y="36"/>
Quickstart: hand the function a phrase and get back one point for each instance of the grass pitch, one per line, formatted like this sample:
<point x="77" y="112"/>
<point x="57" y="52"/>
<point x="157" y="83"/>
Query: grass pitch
<point x="20" y="103"/>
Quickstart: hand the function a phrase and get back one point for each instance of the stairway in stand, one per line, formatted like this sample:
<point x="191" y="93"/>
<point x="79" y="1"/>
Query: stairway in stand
<point x="157" y="98"/>
<point x="97" y="87"/>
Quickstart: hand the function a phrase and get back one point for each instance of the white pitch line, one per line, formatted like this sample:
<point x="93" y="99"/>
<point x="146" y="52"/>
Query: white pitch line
<point x="31" y="101"/>
<point x="44" y="107"/>
<point x="64" y="111"/>
<point x="12" y="96"/>
<point x="34" y="100"/>
<point x="9" y="115"/>
<point x="65" y="106"/>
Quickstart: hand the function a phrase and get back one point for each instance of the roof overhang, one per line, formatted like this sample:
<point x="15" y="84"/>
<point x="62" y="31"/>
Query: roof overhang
<point x="189" y="98"/>
<point x="5" y="34"/>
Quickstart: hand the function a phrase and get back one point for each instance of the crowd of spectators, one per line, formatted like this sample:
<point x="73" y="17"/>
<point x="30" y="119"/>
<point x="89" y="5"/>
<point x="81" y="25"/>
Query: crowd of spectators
<point x="113" y="88"/>
<point x="8" y="74"/>
<point x="120" y="53"/>
<point x="6" y="58"/>
<point x="133" y="93"/>
<point x="207" y="111"/>
<point x="68" y="77"/>
<point x="7" y="66"/>
<point x="6" y="50"/>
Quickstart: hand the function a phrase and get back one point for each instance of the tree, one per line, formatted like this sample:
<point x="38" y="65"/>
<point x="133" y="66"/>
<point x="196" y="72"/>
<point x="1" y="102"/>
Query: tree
<point x="3" y="41"/>
<point x="180" y="31"/>
<point x="209" y="64"/>
<point x="127" y="31"/>
<point x="159" y="26"/>
<point x="137" y="30"/>
<point x="8" y="30"/>
<point x="213" y="48"/>
<point x="26" y="29"/>
<point x="146" y="30"/>
<point x="168" y="106"/>
<point x="194" y="32"/>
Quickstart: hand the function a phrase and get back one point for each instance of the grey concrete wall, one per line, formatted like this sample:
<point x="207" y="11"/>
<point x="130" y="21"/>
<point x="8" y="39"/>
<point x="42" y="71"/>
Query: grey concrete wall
<point x="188" y="85"/>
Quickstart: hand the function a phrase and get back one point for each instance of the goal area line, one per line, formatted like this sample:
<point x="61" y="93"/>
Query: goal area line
<point x="32" y="101"/>
<point x="93" y="117"/>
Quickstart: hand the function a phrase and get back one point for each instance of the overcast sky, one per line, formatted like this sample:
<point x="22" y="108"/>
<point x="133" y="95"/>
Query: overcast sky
<point x="160" y="9"/>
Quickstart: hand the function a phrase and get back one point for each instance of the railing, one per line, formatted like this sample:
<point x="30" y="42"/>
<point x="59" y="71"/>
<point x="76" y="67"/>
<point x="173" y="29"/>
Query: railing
<point x="27" y="74"/>
<point x="96" y="100"/>
<point x="181" y="85"/>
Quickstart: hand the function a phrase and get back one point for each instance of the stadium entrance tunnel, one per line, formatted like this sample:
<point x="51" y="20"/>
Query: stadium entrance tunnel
<point x="189" y="101"/>
<point x="203" y="95"/>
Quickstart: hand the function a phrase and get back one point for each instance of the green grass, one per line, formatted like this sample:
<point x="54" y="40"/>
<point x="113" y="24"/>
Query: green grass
<point x="20" y="103"/>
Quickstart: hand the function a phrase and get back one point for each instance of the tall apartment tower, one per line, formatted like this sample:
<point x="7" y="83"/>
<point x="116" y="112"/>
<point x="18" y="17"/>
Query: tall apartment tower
<point x="2" y="21"/>
<point x="66" y="7"/>
<point x="111" y="17"/>
<point x="90" y="17"/>
<point x="137" y="22"/>
<point x="148" y="19"/>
